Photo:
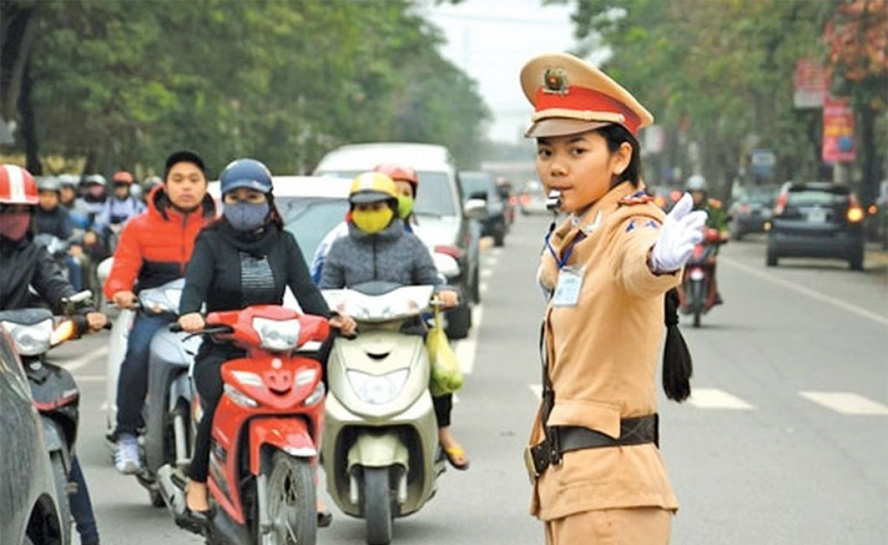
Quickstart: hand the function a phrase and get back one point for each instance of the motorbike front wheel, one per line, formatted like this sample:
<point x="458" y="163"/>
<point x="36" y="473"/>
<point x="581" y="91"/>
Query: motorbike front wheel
<point x="696" y="297"/>
<point x="378" y="505"/>
<point x="291" y="501"/>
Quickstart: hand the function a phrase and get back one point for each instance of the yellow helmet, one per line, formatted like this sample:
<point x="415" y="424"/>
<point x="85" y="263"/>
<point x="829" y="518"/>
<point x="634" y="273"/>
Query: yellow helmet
<point x="372" y="187"/>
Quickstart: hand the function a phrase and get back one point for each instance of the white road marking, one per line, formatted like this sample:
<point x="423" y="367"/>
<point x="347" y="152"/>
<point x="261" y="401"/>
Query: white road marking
<point x="491" y="261"/>
<point x="482" y="287"/>
<point x="86" y="359"/>
<point x="854" y="309"/>
<point x="713" y="398"/>
<point x="497" y="251"/>
<point x="846" y="402"/>
<point x="465" y="349"/>
<point x="537" y="390"/>
<point x="486" y="273"/>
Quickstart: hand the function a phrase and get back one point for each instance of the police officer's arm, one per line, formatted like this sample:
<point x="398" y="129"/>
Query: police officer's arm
<point x="298" y="278"/>
<point x="633" y="241"/>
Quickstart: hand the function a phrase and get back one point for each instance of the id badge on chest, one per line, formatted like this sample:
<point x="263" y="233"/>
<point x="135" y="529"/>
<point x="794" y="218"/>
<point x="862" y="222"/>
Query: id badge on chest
<point x="570" y="282"/>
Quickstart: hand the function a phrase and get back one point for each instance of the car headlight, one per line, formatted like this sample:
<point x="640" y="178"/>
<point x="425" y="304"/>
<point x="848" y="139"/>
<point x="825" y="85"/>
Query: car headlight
<point x="277" y="335"/>
<point x="31" y="340"/>
<point x="377" y="389"/>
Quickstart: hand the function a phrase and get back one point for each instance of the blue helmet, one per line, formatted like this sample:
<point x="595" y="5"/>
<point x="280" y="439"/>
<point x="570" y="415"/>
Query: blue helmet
<point x="248" y="173"/>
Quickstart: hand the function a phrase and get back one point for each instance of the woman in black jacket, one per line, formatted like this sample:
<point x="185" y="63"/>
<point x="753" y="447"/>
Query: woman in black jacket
<point x="245" y="258"/>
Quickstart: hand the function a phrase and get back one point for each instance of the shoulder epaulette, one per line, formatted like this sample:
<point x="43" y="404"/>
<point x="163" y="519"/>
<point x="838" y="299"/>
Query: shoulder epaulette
<point x="639" y="197"/>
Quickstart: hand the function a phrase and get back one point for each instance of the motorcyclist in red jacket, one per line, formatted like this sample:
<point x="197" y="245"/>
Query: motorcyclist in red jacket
<point x="154" y="249"/>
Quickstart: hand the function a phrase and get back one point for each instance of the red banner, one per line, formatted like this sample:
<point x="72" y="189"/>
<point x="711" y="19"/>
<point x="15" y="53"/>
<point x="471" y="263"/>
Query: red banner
<point x="838" y="131"/>
<point x="810" y="79"/>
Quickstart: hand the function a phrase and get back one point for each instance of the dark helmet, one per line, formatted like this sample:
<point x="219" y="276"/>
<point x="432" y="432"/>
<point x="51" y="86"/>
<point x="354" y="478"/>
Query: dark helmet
<point x="248" y="173"/>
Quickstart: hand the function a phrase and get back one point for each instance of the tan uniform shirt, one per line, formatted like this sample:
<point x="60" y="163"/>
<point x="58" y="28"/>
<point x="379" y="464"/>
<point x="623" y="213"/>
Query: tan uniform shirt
<point x="603" y="355"/>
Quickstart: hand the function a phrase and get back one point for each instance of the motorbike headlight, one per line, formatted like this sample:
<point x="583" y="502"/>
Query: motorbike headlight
<point x="316" y="396"/>
<point x="239" y="397"/>
<point x="157" y="302"/>
<point x="377" y="389"/>
<point x="277" y="335"/>
<point x="174" y="295"/>
<point x="31" y="340"/>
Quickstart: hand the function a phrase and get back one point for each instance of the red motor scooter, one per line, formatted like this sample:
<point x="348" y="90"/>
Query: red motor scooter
<point x="697" y="291"/>
<point x="266" y="431"/>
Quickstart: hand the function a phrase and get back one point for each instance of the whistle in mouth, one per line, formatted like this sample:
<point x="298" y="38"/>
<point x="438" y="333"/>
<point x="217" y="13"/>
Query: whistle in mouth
<point x="553" y="201"/>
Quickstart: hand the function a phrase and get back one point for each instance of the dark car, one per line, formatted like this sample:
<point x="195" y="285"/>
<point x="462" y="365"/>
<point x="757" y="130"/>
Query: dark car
<point x="481" y="185"/>
<point x="751" y="208"/>
<point x="29" y="508"/>
<point x="816" y="220"/>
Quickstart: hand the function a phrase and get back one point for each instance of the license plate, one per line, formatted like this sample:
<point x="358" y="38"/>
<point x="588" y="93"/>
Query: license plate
<point x="817" y="215"/>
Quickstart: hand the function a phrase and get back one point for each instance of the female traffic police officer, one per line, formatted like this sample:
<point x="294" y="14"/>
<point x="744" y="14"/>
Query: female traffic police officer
<point x="598" y="475"/>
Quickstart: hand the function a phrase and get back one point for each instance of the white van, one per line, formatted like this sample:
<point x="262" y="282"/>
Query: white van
<point x="444" y="225"/>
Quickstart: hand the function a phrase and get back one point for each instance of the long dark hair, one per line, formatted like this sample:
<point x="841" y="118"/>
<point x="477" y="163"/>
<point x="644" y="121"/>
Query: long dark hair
<point x="615" y="135"/>
<point x="677" y="364"/>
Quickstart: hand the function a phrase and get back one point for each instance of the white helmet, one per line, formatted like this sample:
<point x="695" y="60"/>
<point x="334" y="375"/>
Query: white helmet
<point x="696" y="183"/>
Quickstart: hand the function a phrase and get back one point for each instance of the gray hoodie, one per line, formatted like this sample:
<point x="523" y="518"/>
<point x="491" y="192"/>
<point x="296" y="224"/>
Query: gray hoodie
<point x="392" y="255"/>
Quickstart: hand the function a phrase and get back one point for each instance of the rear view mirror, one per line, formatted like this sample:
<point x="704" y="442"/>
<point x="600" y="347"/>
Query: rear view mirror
<point x="446" y="265"/>
<point x="476" y="209"/>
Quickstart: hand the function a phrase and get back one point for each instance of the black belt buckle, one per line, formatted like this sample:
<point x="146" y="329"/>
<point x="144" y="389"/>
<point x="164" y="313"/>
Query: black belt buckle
<point x="537" y="460"/>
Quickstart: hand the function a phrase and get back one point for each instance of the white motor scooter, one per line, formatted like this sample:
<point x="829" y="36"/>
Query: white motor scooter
<point x="380" y="450"/>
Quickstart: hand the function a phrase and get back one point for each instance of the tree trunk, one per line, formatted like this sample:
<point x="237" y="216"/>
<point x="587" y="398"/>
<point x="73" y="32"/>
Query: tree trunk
<point x="869" y="186"/>
<point x="29" y="125"/>
<point x="18" y="35"/>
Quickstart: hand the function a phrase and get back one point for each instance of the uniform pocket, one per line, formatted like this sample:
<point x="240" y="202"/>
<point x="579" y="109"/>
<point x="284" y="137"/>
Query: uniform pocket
<point x="588" y="466"/>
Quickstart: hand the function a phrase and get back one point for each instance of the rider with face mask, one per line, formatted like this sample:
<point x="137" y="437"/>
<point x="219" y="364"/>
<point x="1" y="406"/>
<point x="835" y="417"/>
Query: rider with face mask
<point x="406" y="184"/>
<point x="378" y="247"/>
<point x="25" y="265"/>
<point x="245" y="258"/>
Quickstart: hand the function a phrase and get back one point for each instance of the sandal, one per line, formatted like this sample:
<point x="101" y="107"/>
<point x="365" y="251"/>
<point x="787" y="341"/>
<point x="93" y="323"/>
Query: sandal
<point x="455" y="452"/>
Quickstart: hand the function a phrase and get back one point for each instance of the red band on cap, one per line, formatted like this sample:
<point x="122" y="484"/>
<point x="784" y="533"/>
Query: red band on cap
<point x="583" y="99"/>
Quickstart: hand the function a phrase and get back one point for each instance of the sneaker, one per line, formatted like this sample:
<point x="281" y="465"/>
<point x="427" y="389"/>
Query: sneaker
<point x="126" y="459"/>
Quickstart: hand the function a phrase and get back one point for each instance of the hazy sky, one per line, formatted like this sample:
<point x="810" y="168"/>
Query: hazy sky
<point x="491" y="40"/>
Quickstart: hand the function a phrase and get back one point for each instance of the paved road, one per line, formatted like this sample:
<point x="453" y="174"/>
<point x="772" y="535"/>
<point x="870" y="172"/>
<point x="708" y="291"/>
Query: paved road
<point x="785" y="440"/>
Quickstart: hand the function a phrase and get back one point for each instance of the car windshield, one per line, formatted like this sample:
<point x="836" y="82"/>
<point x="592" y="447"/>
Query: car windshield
<point x="759" y="195"/>
<point x="433" y="198"/>
<point x="816" y="197"/>
<point x="310" y="219"/>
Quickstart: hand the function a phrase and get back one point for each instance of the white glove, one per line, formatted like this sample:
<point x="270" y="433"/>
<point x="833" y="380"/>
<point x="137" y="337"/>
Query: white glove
<point x="681" y="231"/>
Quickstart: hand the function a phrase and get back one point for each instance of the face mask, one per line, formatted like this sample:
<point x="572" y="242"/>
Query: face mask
<point x="14" y="226"/>
<point x="245" y="216"/>
<point x="373" y="221"/>
<point x="405" y="206"/>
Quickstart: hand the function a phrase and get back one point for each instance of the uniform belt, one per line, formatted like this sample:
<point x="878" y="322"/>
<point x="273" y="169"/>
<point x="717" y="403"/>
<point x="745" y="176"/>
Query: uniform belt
<point x="633" y="431"/>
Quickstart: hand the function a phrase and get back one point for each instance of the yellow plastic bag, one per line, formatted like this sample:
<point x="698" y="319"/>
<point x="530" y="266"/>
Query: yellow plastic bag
<point x="446" y="376"/>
